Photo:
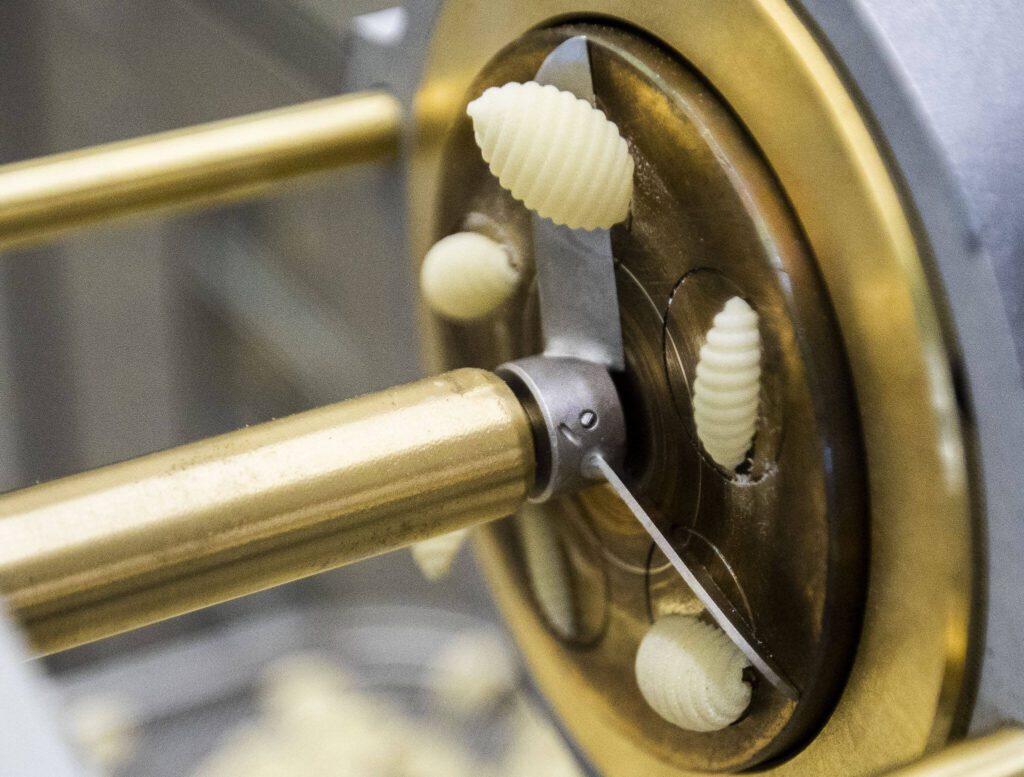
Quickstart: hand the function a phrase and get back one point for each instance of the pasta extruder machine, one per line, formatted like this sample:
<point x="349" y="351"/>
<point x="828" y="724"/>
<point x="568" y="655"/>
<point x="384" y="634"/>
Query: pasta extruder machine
<point x="848" y="172"/>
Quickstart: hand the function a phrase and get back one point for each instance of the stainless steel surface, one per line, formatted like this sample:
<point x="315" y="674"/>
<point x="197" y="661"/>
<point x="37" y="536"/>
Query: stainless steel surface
<point x="577" y="409"/>
<point x="759" y="655"/>
<point x="950" y="124"/>
<point x="575" y="412"/>
<point x="575" y="267"/>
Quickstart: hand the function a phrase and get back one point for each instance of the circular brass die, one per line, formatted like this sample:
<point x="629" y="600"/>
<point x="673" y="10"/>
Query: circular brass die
<point x="781" y="542"/>
<point x="902" y="692"/>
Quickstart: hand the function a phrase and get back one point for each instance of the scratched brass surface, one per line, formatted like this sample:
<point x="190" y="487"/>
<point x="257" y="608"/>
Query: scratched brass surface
<point x="113" y="549"/>
<point x="907" y="679"/>
<point x="225" y="160"/>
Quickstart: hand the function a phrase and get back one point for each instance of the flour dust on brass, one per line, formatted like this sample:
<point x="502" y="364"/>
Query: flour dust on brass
<point x="468" y="275"/>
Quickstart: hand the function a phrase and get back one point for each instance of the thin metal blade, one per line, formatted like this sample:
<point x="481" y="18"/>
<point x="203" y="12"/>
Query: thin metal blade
<point x="755" y="652"/>
<point x="568" y="68"/>
<point x="575" y="268"/>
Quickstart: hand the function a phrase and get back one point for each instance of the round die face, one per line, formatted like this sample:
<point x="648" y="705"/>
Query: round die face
<point x="780" y="541"/>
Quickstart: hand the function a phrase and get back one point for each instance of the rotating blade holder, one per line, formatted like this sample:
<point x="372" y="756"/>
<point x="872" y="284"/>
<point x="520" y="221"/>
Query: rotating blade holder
<point x="579" y="428"/>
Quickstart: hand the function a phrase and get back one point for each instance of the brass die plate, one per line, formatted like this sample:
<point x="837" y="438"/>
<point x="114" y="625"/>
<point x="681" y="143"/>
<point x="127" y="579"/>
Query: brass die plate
<point x="783" y="541"/>
<point x="836" y="203"/>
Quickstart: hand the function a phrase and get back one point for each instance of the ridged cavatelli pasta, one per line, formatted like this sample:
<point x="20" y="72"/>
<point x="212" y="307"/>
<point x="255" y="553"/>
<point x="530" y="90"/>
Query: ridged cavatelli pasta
<point x="546" y="570"/>
<point x="727" y="390"/>
<point x="467" y="276"/>
<point x="691" y="674"/>
<point x="555" y="153"/>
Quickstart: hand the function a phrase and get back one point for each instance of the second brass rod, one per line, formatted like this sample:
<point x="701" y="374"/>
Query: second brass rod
<point x="42" y="198"/>
<point x="109" y="550"/>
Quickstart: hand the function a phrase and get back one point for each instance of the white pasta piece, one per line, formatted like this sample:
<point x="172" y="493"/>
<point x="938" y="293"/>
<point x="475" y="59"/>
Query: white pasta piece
<point x="473" y="672"/>
<point x="106" y="730"/>
<point x="436" y="556"/>
<point x="555" y="153"/>
<point x="467" y="276"/>
<point x="726" y="393"/>
<point x="691" y="674"/>
<point x="299" y="681"/>
<point x="315" y="722"/>
<point x="546" y="570"/>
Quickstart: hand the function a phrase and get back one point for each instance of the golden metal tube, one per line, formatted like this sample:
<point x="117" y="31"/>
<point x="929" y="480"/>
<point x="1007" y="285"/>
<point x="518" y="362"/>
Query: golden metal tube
<point x="224" y="160"/>
<point x="997" y="755"/>
<point x="119" y="547"/>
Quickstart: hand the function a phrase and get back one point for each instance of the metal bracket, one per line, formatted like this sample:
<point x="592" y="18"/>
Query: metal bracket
<point x="576" y="414"/>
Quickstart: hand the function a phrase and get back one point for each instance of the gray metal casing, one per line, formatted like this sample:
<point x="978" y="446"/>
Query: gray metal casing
<point x="942" y="81"/>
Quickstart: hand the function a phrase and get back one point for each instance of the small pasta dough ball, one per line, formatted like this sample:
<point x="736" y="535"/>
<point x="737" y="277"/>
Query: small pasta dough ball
<point x="467" y="275"/>
<point x="691" y="674"/>
<point x="557" y="154"/>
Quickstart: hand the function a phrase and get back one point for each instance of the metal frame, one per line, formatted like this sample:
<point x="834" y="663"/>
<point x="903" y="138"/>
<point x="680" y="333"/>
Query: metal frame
<point x="904" y="91"/>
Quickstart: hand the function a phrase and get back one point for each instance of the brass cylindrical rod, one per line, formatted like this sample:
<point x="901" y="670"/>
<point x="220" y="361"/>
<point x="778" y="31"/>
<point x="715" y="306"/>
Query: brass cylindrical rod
<point x="224" y="160"/>
<point x="119" y="547"/>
